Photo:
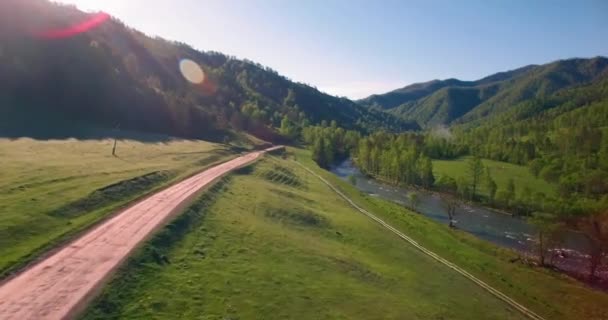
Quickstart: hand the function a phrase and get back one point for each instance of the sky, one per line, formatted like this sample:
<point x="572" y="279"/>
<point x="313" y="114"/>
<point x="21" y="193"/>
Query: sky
<point x="355" y="48"/>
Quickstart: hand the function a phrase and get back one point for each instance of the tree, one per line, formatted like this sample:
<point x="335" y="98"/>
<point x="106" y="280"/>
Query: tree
<point x="594" y="225"/>
<point x="414" y="200"/>
<point x="319" y="154"/>
<point x="287" y="128"/>
<point x="450" y="204"/>
<point x="237" y="121"/>
<point x="510" y="193"/>
<point x="426" y="172"/>
<point x="464" y="188"/>
<point x="547" y="228"/>
<point x="491" y="186"/>
<point x="352" y="179"/>
<point x="475" y="171"/>
<point x="536" y="166"/>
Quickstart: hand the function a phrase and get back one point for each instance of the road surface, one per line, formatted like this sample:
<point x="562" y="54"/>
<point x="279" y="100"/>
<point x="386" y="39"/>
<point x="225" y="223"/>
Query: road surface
<point x="60" y="286"/>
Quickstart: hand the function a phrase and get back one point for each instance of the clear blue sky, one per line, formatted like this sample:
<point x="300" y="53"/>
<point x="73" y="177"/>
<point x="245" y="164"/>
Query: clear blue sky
<point x="355" y="48"/>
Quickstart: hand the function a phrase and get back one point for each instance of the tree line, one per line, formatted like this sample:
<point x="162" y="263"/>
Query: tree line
<point x="405" y="159"/>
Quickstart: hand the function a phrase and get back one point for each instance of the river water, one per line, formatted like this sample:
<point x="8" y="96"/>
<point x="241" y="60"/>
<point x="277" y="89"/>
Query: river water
<point x="497" y="227"/>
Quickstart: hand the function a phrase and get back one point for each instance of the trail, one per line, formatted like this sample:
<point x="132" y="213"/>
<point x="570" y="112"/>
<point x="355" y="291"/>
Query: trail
<point x="495" y="292"/>
<point x="60" y="286"/>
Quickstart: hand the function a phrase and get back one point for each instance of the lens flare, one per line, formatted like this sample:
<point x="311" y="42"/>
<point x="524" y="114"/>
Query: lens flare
<point x="92" y="22"/>
<point x="191" y="71"/>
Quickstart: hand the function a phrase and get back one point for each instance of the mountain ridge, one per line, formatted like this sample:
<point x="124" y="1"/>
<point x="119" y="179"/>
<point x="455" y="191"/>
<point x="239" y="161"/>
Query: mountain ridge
<point x="453" y="101"/>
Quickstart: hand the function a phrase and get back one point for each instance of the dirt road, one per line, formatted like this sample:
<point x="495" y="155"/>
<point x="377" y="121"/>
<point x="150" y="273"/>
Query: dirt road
<point x="59" y="286"/>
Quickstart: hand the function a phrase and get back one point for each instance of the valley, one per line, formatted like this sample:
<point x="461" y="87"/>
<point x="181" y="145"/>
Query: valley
<point x="275" y="226"/>
<point x="150" y="170"/>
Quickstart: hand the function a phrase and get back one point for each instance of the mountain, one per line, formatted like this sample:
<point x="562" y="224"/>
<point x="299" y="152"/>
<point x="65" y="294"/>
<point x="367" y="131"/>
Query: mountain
<point x="452" y="101"/>
<point x="113" y="75"/>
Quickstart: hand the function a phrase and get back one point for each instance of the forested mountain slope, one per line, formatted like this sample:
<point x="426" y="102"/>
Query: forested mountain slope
<point x="453" y="101"/>
<point x="113" y="75"/>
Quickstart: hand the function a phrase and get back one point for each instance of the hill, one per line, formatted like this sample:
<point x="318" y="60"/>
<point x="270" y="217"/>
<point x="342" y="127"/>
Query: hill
<point x="113" y="75"/>
<point x="452" y="101"/>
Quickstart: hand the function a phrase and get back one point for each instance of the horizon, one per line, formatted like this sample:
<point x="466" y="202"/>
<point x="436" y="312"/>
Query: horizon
<point x="356" y="60"/>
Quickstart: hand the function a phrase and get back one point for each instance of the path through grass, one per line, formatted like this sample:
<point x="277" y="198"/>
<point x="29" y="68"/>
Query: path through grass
<point x="276" y="243"/>
<point x="51" y="189"/>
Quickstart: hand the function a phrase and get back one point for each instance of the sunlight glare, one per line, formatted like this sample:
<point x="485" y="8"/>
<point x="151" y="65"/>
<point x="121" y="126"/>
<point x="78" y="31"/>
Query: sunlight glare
<point x="191" y="71"/>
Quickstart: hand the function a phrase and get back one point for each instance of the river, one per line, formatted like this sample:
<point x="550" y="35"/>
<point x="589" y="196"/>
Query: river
<point x="491" y="225"/>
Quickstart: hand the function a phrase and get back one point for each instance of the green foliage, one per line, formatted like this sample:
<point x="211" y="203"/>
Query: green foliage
<point x="464" y="189"/>
<point x="414" y="200"/>
<point x="510" y="192"/>
<point x="426" y="169"/>
<point x="329" y="144"/>
<point x="397" y="158"/>
<point x="446" y="183"/>
<point x="475" y="171"/>
<point x="352" y="179"/>
<point x="288" y="129"/>
<point x="491" y="186"/>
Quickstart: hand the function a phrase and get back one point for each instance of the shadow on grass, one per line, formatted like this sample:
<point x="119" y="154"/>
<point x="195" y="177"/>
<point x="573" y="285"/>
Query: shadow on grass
<point x="15" y="125"/>
<point x="112" y="193"/>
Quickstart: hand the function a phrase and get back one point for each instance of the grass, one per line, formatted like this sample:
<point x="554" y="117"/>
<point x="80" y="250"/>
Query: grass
<point x="501" y="173"/>
<point x="51" y="189"/>
<point x="274" y="242"/>
<point x="550" y="294"/>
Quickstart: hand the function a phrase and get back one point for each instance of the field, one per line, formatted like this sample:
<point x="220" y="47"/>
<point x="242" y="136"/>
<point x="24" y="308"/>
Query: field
<point x="273" y="242"/>
<point x="501" y="173"/>
<point x="50" y="189"/>
<point x="550" y="294"/>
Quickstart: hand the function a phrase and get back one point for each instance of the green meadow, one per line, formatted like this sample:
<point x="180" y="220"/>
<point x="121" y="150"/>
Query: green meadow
<point x="501" y="172"/>
<point x="271" y="241"/>
<point x="51" y="189"/>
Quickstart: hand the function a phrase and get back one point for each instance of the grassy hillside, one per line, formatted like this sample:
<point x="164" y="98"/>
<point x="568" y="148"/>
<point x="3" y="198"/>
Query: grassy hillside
<point x="550" y="294"/>
<point x="50" y="189"/>
<point x="273" y="242"/>
<point x="501" y="173"/>
<point x="277" y="244"/>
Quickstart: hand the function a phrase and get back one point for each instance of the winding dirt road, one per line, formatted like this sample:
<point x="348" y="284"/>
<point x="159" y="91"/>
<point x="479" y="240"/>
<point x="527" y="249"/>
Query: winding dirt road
<point x="61" y="285"/>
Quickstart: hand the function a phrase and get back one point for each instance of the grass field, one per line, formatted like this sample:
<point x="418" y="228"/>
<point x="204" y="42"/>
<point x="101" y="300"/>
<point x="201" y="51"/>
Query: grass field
<point x="501" y="173"/>
<point x="273" y="242"/>
<point x="50" y="189"/>
<point x="550" y="294"/>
